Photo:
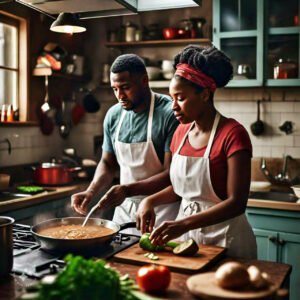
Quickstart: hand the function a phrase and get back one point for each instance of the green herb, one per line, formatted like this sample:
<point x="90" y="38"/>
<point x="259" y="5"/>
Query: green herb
<point x="85" y="279"/>
<point x="30" y="189"/>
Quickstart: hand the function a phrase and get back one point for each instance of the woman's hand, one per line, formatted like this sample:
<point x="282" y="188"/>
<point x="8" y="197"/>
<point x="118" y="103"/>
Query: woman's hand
<point x="113" y="197"/>
<point x="145" y="216"/>
<point x="80" y="201"/>
<point x="168" y="230"/>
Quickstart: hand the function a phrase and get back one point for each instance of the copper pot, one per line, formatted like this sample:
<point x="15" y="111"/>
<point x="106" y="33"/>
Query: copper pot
<point x="53" y="174"/>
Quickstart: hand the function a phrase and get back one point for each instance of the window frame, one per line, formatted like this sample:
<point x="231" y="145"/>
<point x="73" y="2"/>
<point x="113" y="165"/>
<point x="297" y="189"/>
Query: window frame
<point x="22" y="67"/>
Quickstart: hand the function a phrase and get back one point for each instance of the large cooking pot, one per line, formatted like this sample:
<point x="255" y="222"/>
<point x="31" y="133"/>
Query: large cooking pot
<point x="53" y="174"/>
<point x="77" y="245"/>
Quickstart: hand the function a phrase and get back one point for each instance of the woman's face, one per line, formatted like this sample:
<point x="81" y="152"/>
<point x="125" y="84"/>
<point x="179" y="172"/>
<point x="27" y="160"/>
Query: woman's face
<point x="188" y="104"/>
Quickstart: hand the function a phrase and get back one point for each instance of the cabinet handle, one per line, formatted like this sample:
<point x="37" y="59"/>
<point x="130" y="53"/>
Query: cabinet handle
<point x="281" y="242"/>
<point x="273" y="239"/>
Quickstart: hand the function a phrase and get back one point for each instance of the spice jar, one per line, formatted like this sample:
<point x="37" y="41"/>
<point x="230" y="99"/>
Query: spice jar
<point x="285" y="69"/>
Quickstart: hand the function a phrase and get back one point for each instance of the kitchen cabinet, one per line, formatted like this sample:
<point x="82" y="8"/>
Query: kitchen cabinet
<point x="282" y="42"/>
<point x="278" y="239"/>
<point x="134" y="46"/>
<point x="256" y="35"/>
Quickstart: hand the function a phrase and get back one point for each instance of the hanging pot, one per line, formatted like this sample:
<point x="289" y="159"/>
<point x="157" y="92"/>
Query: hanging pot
<point x="258" y="127"/>
<point x="90" y="103"/>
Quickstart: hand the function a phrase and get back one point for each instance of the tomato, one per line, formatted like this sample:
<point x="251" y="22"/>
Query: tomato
<point x="153" y="278"/>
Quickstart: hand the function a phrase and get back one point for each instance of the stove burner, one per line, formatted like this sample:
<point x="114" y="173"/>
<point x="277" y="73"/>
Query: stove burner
<point x="33" y="261"/>
<point x="23" y="240"/>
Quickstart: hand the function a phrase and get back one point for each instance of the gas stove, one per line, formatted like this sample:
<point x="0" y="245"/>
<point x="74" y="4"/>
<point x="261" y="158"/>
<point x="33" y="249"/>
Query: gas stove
<point x="31" y="260"/>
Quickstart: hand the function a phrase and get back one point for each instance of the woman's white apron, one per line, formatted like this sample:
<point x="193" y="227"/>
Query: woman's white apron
<point x="191" y="180"/>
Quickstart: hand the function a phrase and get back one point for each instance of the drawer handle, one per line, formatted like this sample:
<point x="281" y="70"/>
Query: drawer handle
<point x="281" y="242"/>
<point x="273" y="239"/>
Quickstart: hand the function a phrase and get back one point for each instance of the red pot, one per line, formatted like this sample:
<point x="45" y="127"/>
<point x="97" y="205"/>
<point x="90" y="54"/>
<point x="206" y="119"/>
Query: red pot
<point x="53" y="174"/>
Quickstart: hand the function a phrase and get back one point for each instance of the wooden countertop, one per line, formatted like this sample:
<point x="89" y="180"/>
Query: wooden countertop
<point x="63" y="191"/>
<point x="292" y="206"/>
<point x="59" y="192"/>
<point x="279" y="273"/>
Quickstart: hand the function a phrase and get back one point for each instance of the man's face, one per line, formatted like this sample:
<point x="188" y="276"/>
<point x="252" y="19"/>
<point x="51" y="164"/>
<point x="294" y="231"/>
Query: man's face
<point x="128" y="89"/>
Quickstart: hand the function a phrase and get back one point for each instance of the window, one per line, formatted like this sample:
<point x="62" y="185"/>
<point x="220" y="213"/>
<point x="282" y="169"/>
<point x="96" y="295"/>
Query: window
<point x="13" y="68"/>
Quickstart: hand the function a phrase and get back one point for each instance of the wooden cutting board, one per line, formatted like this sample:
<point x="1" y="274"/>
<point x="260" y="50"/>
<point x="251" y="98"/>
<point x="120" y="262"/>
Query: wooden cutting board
<point x="204" y="286"/>
<point x="205" y="256"/>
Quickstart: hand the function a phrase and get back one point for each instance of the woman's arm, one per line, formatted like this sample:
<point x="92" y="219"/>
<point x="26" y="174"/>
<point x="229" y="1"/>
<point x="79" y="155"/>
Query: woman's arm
<point x="145" y="216"/>
<point x="238" y="183"/>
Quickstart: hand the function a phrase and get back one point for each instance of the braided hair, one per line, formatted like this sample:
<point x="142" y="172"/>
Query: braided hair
<point x="128" y="62"/>
<point x="210" y="60"/>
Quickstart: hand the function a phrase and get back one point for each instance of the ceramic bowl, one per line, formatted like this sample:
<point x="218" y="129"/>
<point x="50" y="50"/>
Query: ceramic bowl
<point x="260" y="186"/>
<point x="153" y="73"/>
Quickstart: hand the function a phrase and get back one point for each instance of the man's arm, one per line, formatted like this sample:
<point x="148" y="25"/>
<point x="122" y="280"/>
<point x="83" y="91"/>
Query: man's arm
<point x="103" y="177"/>
<point x="104" y="173"/>
<point x="152" y="184"/>
<point x="116" y="195"/>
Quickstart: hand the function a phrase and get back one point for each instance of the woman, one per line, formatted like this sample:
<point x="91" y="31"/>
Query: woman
<point x="211" y="161"/>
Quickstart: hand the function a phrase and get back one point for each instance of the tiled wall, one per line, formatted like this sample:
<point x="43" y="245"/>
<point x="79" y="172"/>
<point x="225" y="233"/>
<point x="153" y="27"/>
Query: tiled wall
<point x="273" y="143"/>
<point x="28" y="145"/>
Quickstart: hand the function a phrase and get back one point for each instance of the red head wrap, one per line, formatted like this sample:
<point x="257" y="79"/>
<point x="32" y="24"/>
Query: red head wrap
<point x="195" y="76"/>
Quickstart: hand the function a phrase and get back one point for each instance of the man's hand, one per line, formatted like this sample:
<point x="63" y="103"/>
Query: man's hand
<point x="80" y="201"/>
<point x="145" y="216"/>
<point x="114" y="197"/>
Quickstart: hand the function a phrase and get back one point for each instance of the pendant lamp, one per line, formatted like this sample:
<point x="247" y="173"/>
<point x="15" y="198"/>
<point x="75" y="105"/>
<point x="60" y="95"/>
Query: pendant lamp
<point x="67" y="23"/>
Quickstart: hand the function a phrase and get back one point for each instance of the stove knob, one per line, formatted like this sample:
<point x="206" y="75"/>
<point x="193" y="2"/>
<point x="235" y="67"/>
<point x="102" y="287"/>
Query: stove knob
<point x="53" y="268"/>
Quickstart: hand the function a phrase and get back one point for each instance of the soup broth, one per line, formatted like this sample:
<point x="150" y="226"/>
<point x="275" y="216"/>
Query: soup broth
<point x="72" y="232"/>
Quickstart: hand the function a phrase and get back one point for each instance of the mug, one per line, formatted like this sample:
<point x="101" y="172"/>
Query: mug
<point x="6" y="245"/>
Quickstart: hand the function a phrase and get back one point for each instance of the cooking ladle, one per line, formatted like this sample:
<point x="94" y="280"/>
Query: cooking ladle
<point x="258" y="127"/>
<point x="89" y="214"/>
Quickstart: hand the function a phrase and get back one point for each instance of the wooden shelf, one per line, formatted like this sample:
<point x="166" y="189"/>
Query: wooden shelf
<point x="157" y="43"/>
<point x="19" y="123"/>
<point x="152" y="84"/>
<point x="67" y="76"/>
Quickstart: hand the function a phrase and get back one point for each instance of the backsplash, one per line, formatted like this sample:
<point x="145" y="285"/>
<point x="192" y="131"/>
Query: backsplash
<point x="29" y="145"/>
<point x="273" y="143"/>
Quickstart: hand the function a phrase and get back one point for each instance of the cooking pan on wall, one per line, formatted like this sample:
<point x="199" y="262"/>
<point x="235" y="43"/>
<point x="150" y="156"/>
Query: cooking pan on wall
<point x="77" y="245"/>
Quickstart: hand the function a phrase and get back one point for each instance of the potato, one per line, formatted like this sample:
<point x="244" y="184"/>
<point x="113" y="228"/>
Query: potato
<point x="232" y="275"/>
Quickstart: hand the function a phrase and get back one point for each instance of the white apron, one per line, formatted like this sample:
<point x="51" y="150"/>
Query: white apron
<point x="139" y="161"/>
<point x="190" y="177"/>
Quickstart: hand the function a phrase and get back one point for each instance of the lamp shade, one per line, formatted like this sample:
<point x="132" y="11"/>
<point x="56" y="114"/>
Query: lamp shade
<point x="67" y="23"/>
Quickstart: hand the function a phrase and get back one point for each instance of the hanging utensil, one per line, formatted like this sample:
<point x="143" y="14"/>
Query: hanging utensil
<point x="258" y="127"/>
<point x="90" y="103"/>
<point x="45" y="107"/>
<point x="65" y="126"/>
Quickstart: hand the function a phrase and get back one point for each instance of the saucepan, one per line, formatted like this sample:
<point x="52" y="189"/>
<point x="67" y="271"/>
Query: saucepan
<point x="78" y="245"/>
<point x="53" y="174"/>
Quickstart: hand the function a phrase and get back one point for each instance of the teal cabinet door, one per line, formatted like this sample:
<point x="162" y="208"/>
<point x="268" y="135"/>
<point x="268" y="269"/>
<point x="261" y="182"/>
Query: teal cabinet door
<point x="278" y="239"/>
<point x="238" y="31"/>
<point x="289" y="253"/>
<point x="266" y="244"/>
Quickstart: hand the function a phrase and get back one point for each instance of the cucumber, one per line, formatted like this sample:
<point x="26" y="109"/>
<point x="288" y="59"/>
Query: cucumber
<point x="187" y="248"/>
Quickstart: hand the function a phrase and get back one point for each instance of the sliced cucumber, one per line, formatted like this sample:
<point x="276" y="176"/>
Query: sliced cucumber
<point x="187" y="248"/>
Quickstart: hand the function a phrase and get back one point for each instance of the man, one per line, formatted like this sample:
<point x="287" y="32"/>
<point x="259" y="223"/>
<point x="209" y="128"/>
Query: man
<point x="137" y="134"/>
